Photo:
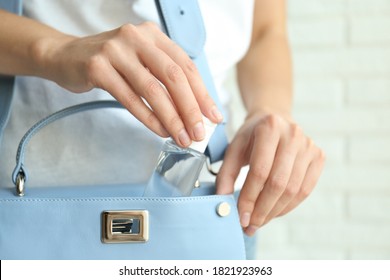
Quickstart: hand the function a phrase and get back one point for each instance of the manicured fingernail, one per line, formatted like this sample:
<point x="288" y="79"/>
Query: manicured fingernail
<point x="245" y="219"/>
<point x="216" y="113"/>
<point x="199" y="131"/>
<point x="251" y="230"/>
<point x="184" y="138"/>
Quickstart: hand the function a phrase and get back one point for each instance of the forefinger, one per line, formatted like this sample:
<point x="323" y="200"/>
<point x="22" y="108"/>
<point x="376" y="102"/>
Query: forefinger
<point x="276" y="183"/>
<point x="172" y="76"/>
<point x="206" y="103"/>
<point x="265" y="142"/>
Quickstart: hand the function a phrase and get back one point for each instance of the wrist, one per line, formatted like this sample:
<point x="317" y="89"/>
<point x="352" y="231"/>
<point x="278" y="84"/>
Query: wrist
<point x="265" y="111"/>
<point x="270" y="100"/>
<point x="44" y="52"/>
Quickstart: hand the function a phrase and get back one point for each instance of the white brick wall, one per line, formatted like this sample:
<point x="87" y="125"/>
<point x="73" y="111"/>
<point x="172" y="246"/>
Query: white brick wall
<point x="369" y="8"/>
<point x="371" y="92"/>
<point x="370" y="31"/>
<point x="341" y="51"/>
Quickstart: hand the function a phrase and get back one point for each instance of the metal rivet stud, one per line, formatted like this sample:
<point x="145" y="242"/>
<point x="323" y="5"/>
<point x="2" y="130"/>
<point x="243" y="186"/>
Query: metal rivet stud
<point x="223" y="209"/>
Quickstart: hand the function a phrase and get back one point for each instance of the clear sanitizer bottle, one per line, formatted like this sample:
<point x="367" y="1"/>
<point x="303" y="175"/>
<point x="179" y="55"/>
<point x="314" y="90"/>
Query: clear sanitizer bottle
<point x="177" y="168"/>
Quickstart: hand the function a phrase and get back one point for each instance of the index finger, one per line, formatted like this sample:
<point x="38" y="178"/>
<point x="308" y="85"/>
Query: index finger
<point x="174" y="79"/>
<point x="265" y="143"/>
<point x="206" y="103"/>
<point x="275" y="185"/>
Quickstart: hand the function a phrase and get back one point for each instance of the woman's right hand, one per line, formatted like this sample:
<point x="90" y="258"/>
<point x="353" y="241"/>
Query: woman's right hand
<point x="134" y="63"/>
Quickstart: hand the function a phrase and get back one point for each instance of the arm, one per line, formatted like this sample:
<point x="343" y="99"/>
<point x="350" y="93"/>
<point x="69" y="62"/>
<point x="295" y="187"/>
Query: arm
<point x="19" y="44"/>
<point x="264" y="74"/>
<point x="129" y="62"/>
<point x="284" y="164"/>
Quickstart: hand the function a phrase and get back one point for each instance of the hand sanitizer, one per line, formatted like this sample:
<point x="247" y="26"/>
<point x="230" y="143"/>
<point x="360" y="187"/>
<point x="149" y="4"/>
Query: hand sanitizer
<point x="178" y="168"/>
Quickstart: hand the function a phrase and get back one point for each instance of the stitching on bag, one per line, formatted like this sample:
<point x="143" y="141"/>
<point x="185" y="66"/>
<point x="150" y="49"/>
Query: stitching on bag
<point x="215" y="198"/>
<point x="172" y="200"/>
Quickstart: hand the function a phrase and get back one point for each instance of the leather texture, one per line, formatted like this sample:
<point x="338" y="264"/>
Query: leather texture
<point x="14" y="6"/>
<point x="178" y="18"/>
<point x="66" y="222"/>
<point x="218" y="141"/>
<point x="7" y="83"/>
<point x="6" y="88"/>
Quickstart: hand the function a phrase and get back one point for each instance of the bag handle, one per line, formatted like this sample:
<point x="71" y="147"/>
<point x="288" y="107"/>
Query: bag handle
<point x="20" y="174"/>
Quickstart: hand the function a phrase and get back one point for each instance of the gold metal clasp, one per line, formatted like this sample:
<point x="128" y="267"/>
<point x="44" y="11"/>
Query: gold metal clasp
<point x="125" y="226"/>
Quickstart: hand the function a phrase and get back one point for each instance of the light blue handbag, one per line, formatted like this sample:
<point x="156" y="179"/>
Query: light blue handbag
<point x="116" y="221"/>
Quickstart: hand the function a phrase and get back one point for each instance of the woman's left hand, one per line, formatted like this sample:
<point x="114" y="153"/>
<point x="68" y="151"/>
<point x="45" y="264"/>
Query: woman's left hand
<point x="284" y="167"/>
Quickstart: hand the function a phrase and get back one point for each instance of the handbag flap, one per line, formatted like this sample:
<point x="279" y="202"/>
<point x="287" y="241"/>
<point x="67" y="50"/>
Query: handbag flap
<point x="67" y="223"/>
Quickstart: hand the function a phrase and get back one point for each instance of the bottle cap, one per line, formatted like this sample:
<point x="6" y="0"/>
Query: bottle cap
<point x="201" y="146"/>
